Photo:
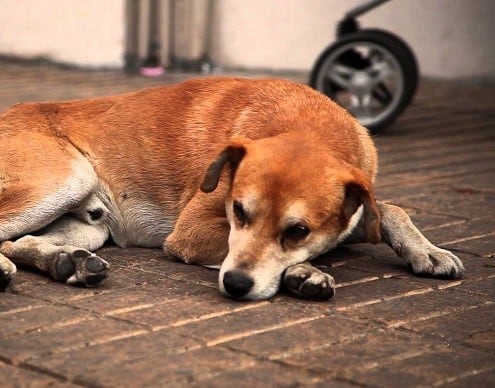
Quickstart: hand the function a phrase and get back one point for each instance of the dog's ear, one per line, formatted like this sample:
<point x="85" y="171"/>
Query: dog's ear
<point x="231" y="154"/>
<point x="357" y="194"/>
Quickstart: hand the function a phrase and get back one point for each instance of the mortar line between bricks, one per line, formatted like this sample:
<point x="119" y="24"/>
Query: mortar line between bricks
<point x="358" y="281"/>
<point x="128" y="309"/>
<point x="86" y="344"/>
<point x="366" y="366"/>
<point x="442" y="162"/>
<point x="436" y="314"/>
<point x="209" y="316"/>
<point x="52" y="326"/>
<point x="281" y="356"/>
<point x="407" y="182"/>
<point x="209" y="375"/>
<point x="385" y="299"/>
<point x="470" y="373"/>
<point x="228" y="338"/>
<point x="22" y="309"/>
<point x="469" y="238"/>
<point x="407" y="294"/>
<point x="317" y="377"/>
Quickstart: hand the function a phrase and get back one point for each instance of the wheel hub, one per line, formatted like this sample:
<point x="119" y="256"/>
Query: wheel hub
<point x="360" y="83"/>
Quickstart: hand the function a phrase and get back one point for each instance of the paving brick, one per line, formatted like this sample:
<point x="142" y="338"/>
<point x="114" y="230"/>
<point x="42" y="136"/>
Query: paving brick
<point x="41" y="287"/>
<point x="346" y="358"/>
<point x="482" y="379"/>
<point x="157" y="322"/>
<point x="463" y="326"/>
<point x="180" y="310"/>
<point x="142" y="295"/>
<point x="392" y="265"/>
<point x="475" y="182"/>
<point x="12" y="376"/>
<point x="357" y="295"/>
<point x="485" y="287"/>
<point x="38" y="318"/>
<point x="305" y="337"/>
<point x="10" y="303"/>
<point x="104" y="363"/>
<point x="246" y="322"/>
<point x="482" y="246"/>
<point x="262" y="374"/>
<point x="428" y="368"/>
<point x="408" y="310"/>
<point x="56" y="337"/>
<point x="152" y="369"/>
<point x="460" y="203"/>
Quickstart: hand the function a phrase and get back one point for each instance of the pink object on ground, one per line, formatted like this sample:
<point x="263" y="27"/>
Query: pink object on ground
<point x="151" y="71"/>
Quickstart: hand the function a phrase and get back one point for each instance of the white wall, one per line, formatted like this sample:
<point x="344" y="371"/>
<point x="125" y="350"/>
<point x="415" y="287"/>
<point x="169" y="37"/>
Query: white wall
<point x="452" y="38"/>
<point x="82" y="32"/>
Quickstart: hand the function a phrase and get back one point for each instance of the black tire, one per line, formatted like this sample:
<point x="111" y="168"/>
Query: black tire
<point x="395" y="46"/>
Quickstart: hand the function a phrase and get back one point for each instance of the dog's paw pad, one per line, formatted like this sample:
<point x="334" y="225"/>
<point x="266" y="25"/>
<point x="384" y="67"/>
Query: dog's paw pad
<point x="438" y="262"/>
<point x="80" y="267"/>
<point x="309" y="282"/>
<point x="7" y="272"/>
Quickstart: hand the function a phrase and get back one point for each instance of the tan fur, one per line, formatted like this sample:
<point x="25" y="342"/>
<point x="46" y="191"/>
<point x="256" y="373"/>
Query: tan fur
<point x="140" y="159"/>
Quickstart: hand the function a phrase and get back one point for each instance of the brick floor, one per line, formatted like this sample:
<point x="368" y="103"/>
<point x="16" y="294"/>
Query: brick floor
<point x="160" y="323"/>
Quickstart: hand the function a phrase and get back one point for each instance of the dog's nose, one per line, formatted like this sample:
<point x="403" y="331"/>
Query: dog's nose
<point x="237" y="283"/>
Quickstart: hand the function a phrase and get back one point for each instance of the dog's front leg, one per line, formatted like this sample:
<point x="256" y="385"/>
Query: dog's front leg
<point x="408" y="242"/>
<point x="200" y="235"/>
<point x="308" y="282"/>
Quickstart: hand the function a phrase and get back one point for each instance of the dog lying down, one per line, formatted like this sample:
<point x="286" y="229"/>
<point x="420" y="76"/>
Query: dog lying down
<point x="256" y="177"/>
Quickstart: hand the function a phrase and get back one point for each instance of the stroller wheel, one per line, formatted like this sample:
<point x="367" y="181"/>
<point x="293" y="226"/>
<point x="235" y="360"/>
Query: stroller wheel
<point x="372" y="73"/>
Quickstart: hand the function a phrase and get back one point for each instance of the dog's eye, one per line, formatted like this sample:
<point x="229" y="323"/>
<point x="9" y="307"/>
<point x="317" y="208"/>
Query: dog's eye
<point x="296" y="232"/>
<point x="239" y="213"/>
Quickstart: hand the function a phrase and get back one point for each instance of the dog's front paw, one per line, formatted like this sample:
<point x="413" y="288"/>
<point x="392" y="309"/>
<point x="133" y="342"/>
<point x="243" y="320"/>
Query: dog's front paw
<point x="80" y="267"/>
<point x="7" y="272"/>
<point x="309" y="282"/>
<point x="434" y="261"/>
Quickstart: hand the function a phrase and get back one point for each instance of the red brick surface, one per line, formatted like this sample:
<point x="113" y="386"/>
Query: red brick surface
<point x="156" y="322"/>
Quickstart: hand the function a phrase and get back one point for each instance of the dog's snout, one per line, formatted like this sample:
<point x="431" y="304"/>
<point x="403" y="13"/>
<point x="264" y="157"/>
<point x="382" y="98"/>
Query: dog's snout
<point x="237" y="283"/>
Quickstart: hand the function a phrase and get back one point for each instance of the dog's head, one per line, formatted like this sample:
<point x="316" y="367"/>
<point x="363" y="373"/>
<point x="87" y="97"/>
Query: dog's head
<point x="289" y="201"/>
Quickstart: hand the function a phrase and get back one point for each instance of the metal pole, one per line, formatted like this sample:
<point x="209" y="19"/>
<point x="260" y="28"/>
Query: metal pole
<point x="363" y="8"/>
<point x="131" y="55"/>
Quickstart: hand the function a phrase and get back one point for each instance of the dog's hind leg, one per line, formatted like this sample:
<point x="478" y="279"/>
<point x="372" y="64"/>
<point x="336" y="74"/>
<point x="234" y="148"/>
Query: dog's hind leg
<point x="63" y="250"/>
<point x="42" y="178"/>
<point x="7" y="272"/>
<point x="408" y="242"/>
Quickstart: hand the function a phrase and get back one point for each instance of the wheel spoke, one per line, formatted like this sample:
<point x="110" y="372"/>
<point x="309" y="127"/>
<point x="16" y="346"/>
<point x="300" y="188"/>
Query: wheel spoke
<point x="341" y="75"/>
<point x="379" y="71"/>
<point x="382" y="94"/>
<point x="361" y="106"/>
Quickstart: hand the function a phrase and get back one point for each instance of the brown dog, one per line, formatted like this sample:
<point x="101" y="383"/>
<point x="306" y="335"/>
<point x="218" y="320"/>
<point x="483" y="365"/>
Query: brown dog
<point x="255" y="176"/>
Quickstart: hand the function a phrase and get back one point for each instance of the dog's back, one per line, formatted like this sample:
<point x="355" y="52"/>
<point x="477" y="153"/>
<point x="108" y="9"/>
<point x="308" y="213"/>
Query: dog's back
<point x="146" y="136"/>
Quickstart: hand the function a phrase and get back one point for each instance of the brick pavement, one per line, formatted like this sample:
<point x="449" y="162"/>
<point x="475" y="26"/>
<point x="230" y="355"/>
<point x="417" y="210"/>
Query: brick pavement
<point x="156" y="322"/>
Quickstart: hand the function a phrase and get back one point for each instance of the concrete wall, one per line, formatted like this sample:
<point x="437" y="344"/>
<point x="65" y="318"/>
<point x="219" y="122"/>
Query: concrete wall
<point x="88" y="33"/>
<point x="452" y="38"/>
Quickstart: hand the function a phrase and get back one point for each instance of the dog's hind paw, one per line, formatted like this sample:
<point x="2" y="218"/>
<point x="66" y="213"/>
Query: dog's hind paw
<point x="308" y="282"/>
<point x="80" y="267"/>
<point x="434" y="261"/>
<point x="7" y="272"/>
